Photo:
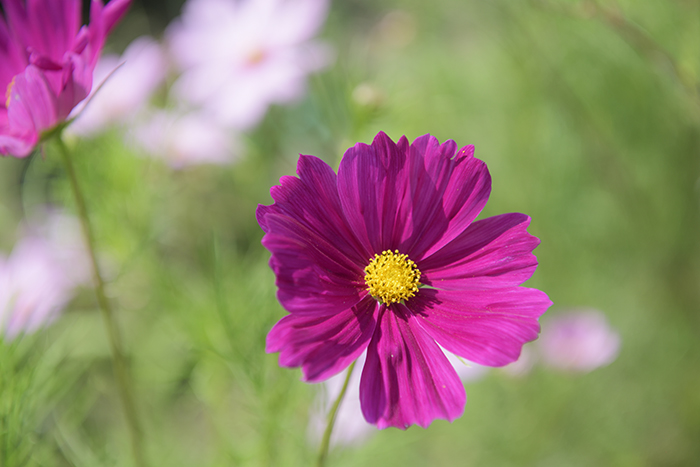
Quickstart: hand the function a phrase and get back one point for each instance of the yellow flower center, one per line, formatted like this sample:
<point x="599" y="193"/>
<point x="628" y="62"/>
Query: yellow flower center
<point x="255" y="57"/>
<point x="8" y="92"/>
<point x="392" y="277"/>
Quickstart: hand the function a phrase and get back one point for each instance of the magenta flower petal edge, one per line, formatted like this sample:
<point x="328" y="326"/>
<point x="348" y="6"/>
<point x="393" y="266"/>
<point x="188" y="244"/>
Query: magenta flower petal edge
<point x="386" y="256"/>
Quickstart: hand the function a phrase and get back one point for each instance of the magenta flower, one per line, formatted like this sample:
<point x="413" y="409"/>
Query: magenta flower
<point x="386" y="256"/>
<point x="46" y="64"/>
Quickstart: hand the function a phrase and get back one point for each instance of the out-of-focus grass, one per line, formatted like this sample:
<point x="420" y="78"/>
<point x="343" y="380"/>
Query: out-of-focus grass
<point x="589" y="129"/>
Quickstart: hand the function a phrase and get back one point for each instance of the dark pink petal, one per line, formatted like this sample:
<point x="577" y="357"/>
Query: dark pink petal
<point x="312" y="201"/>
<point x="488" y="327"/>
<point x="371" y="183"/>
<point x="12" y="57"/>
<point x="492" y="253"/>
<point x="113" y="13"/>
<point x="48" y="26"/>
<point x="416" y="198"/>
<point x="308" y="281"/>
<point x="406" y="378"/>
<point x="323" y="345"/>
<point x="314" y="254"/>
<point x="447" y="192"/>
<point x="102" y="21"/>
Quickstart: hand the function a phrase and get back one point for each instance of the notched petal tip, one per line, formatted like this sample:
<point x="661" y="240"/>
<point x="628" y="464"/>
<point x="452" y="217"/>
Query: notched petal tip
<point x="323" y="345"/>
<point x="466" y="152"/>
<point x="407" y="379"/>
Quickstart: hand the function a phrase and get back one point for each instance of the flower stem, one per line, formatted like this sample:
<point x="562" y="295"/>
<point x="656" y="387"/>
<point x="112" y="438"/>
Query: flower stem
<point x="121" y="372"/>
<point x="325" y="442"/>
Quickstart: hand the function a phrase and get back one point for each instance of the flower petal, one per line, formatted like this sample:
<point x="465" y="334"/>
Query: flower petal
<point x="12" y="57"/>
<point x="33" y="105"/>
<point x="447" y="192"/>
<point x="488" y="327"/>
<point x="492" y="253"/>
<point x="103" y="18"/>
<point x="416" y="198"/>
<point x="406" y="378"/>
<point x="317" y="260"/>
<point x="371" y="182"/>
<point x="308" y="281"/>
<point x="46" y="25"/>
<point x="323" y="345"/>
<point x="312" y="201"/>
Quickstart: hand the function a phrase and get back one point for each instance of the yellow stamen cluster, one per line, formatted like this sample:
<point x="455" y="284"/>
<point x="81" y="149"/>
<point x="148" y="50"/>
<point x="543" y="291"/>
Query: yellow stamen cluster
<point x="391" y="277"/>
<point x="8" y="92"/>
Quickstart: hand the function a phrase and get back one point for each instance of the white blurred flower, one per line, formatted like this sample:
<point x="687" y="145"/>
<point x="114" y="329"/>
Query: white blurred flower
<point x="183" y="140"/>
<point x="123" y="87"/>
<point x="579" y="340"/>
<point x="240" y="56"/>
<point x="38" y="278"/>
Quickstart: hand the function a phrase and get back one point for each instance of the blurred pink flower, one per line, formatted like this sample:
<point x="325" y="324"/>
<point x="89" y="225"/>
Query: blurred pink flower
<point x="46" y="64"/>
<point x="38" y="278"/>
<point x="123" y="86"/>
<point x="240" y="56"/>
<point x="183" y="140"/>
<point x="579" y="340"/>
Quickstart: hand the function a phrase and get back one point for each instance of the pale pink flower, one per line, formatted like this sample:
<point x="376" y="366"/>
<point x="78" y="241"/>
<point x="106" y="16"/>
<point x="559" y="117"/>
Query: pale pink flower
<point x="183" y="140"/>
<point x="123" y="86"/>
<point x="240" y="56"/>
<point x="579" y="340"/>
<point x="40" y="275"/>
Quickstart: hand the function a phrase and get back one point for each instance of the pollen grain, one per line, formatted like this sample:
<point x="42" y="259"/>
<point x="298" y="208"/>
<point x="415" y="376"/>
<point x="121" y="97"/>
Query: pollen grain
<point x="8" y="92"/>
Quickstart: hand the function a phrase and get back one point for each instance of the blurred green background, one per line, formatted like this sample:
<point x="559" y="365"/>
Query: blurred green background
<point x="588" y="116"/>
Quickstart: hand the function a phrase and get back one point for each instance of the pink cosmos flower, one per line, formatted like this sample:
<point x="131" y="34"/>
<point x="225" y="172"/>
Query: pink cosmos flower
<point x="240" y="56"/>
<point x="46" y="64"/>
<point x="386" y="257"/>
<point x="125" y="85"/>
<point x="38" y="278"/>
<point x="579" y="341"/>
<point x="183" y="140"/>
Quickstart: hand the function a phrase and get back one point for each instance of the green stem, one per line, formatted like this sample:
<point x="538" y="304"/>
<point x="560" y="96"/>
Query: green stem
<point x="119" y="364"/>
<point x="325" y="442"/>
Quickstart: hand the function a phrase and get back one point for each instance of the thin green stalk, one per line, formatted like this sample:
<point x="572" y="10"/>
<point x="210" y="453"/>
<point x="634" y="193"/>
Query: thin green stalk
<point x="121" y="372"/>
<point x="325" y="442"/>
